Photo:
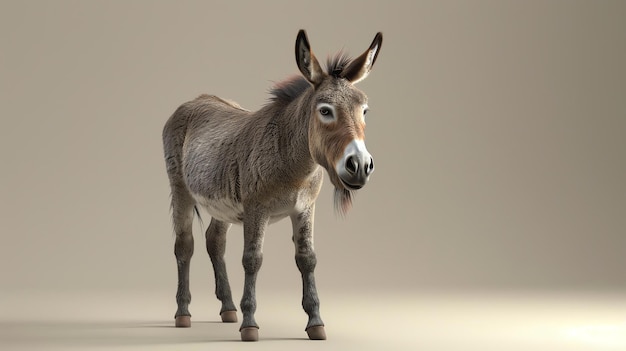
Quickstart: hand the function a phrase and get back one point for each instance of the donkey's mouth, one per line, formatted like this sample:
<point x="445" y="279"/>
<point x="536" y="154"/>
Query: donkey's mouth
<point x="350" y="186"/>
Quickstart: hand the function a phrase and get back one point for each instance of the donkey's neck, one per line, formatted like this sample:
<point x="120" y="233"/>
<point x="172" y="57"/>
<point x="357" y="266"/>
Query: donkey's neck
<point x="290" y="122"/>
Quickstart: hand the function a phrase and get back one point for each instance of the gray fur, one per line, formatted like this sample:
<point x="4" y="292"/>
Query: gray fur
<point x="255" y="168"/>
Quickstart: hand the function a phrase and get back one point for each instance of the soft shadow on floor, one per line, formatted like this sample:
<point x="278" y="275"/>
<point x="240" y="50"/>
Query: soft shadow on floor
<point x="76" y="334"/>
<point x="114" y="333"/>
<point x="171" y="324"/>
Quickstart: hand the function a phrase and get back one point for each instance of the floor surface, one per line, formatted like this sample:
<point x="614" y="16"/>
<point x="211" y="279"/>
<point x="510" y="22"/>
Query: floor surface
<point x="371" y="321"/>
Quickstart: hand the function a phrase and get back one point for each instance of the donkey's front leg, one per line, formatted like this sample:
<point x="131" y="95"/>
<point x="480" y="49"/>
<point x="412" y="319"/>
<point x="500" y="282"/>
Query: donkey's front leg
<point x="254" y="226"/>
<point x="305" y="259"/>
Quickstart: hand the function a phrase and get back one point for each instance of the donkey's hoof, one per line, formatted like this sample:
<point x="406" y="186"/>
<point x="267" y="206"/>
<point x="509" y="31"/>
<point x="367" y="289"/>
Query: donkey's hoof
<point x="250" y="334"/>
<point x="316" y="333"/>
<point x="229" y="316"/>
<point x="183" y="321"/>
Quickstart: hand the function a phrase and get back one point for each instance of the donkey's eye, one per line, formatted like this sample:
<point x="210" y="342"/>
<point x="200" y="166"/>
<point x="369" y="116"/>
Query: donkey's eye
<point x="325" y="111"/>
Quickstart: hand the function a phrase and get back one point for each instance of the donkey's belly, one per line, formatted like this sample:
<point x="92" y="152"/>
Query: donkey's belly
<point x="227" y="210"/>
<point x="223" y="209"/>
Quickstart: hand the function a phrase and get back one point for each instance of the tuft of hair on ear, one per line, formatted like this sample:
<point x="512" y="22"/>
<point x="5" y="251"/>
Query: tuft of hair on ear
<point x="343" y="201"/>
<point x="336" y="63"/>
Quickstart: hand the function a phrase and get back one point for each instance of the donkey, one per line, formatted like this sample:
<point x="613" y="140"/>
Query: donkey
<point x="255" y="168"/>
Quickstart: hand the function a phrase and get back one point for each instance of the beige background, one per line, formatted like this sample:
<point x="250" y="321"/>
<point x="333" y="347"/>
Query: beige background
<point x="497" y="128"/>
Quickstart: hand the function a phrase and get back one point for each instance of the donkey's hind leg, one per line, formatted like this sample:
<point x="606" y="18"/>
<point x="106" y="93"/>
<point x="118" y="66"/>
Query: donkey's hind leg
<point x="182" y="214"/>
<point x="216" y="247"/>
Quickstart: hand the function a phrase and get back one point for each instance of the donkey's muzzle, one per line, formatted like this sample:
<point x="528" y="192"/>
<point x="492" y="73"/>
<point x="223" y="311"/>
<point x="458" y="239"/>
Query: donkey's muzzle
<point x="355" y="166"/>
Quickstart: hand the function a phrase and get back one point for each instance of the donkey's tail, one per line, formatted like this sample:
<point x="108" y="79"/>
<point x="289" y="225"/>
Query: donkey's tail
<point x="195" y="208"/>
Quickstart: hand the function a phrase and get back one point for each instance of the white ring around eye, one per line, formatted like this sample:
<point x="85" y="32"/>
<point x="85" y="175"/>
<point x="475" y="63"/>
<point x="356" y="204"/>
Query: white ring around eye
<point x="328" y="118"/>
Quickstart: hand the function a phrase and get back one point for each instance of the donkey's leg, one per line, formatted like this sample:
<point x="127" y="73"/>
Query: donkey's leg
<point x="254" y="226"/>
<point x="216" y="247"/>
<point x="306" y="261"/>
<point x="182" y="214"/>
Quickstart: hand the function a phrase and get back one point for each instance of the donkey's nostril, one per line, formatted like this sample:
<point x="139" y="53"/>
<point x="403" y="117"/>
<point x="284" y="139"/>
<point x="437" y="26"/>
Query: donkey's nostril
<point x="369" y="168"/>
<point x="352" y="165"/>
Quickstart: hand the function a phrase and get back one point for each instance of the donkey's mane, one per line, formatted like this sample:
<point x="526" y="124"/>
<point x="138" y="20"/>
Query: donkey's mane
<point x="289" y="89"/>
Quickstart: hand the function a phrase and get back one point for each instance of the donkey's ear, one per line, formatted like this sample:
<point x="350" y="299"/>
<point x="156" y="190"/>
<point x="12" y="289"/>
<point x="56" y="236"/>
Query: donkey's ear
<point x="361" y="66"/>
<point x="307" y="63"/>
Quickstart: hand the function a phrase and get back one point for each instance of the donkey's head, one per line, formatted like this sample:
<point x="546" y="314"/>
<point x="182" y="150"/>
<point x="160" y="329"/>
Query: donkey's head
<point x="337" y="125"/>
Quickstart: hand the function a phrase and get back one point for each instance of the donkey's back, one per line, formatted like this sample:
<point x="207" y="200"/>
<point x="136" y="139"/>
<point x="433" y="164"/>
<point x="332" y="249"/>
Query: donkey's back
<point x="205" y="114"/>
